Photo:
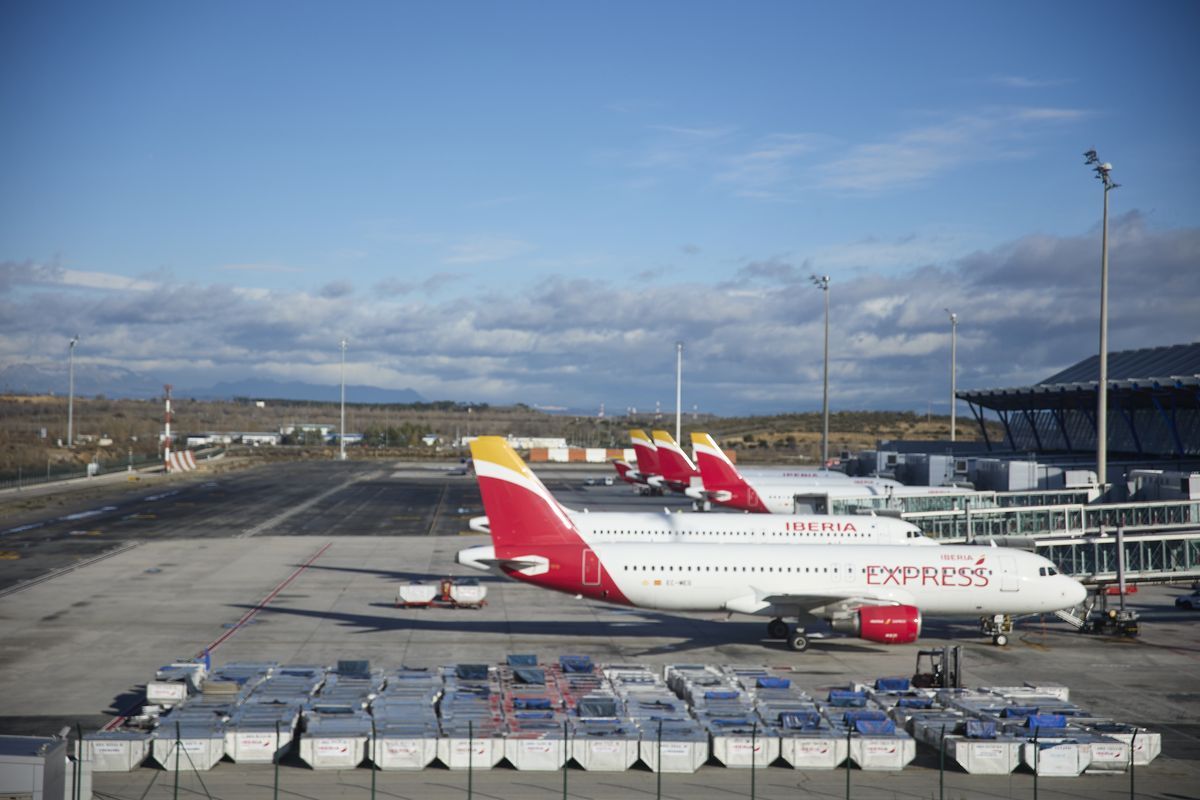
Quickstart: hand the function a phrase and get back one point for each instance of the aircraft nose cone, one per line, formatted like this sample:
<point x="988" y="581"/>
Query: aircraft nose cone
<point x="1077" y="593"/>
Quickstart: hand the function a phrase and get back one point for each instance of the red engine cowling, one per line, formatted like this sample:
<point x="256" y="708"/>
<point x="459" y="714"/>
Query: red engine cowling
<point x="883" y="624"/>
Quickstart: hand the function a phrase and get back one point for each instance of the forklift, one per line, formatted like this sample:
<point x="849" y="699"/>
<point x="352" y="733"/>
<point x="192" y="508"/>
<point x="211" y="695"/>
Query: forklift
<point x="939" y="669"/>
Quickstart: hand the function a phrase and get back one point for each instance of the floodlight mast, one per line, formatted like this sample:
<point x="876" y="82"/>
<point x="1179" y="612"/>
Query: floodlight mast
<point x="822" y="283"/>
<point x="342" y="437"/>
<point x="1103" y="171"/>
<point x="678" y="388"/>
<point x="953" y="374"/>
<point x="71" y="390"/>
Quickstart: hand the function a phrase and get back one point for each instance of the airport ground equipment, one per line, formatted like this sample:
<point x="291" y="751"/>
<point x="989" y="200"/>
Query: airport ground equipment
<point x="540" y="715"/>
<point x="33" y="767"/>
<point x="336" y="725"/>
<point x="471" y="717"/>
<point x="535" y="719"/>
<point x="446" y="593"/>
<point x="406" y="724"/>
<point x="670" y="738"/>
<point x="939" y="668"/>
<point x="116" y="751"/>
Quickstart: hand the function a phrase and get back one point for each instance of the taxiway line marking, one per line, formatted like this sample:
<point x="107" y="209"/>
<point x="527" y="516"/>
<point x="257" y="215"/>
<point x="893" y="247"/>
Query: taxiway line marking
<point x="29" y="584"/>
<point x="294" y="510"/>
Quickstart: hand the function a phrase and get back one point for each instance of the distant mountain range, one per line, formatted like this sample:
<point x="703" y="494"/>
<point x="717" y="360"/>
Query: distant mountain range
<point x="117" y="382"/>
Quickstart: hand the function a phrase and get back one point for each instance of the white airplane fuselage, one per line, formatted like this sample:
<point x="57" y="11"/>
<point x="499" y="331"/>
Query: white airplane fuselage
<point x="945" y="580"/>
<point x="758" y="529"/>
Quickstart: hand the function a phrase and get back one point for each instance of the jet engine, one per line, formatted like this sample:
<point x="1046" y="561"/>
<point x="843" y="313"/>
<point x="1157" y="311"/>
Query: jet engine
<point x="882" y="624"/>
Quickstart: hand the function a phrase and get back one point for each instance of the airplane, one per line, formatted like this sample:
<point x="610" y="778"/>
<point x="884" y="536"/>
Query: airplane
<point x="879" y="593"/>
<point x="605" y="526"/>
<point x="626" y="471"/>
<point x="682" y="475"/>
<point x="725" y="485"/>
<point x="676" y="468"/>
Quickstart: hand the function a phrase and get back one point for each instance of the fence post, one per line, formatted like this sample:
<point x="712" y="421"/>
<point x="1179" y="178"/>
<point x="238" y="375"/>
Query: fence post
<point x="77" y="778"/>
<point x="278" y="755"/>
<point x="658" y="760"/>
<point x="753" y="746"/>
<point x="176" y="794"/>
<point x="849" y="730"/>
<point x="942" y="765"/>
<point x="566" y="755"/>
<point x="1037" y="756"/>
<point x="470" y="755"/>
<point x="374" y="757"/>
<point x="1132" y="744"/>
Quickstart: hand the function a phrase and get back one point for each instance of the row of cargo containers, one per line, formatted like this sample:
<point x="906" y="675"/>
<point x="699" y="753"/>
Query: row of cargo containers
<point x="994" y="730"/>
<point x="476" y="715"/>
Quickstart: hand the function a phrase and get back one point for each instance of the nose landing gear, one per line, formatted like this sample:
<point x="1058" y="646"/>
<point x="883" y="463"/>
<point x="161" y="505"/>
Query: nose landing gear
<point x="999" y="627"/>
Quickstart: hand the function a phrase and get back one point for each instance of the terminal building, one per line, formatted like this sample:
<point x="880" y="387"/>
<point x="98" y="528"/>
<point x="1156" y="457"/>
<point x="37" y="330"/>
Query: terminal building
<point x="1153" y="410"/>
<point x="1036" y="486"/>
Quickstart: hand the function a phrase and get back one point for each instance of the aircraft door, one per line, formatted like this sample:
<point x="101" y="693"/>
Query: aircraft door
<point x="1009" y="580"/>
<point x="591" y="568"/>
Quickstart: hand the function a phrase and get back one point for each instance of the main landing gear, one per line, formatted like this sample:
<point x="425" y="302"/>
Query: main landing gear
<point x="796" y="639"/>
<point x="999" y="627"/>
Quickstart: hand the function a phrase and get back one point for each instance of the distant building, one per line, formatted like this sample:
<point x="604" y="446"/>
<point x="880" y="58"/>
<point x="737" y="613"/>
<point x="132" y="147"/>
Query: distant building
<point x="257" y="439"/>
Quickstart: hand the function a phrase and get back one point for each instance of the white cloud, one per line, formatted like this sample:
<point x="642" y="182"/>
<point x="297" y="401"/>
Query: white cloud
<point x="916" y="155"/>
<point x="482" y="249"/>
<point x="1025" y="82"/>
<point x="282" y="269"/>
<point x="753" y="343"/>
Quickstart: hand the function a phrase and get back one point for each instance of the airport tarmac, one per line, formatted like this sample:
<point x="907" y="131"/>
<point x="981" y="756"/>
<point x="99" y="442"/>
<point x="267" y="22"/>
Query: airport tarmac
<point x="326" y="545"/>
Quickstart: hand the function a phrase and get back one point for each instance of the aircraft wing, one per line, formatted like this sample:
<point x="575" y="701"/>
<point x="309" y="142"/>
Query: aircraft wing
<point x="824" y="604"/>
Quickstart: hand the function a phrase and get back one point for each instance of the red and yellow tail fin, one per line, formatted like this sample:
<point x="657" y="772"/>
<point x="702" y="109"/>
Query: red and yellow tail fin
<point x="522" y="513"/>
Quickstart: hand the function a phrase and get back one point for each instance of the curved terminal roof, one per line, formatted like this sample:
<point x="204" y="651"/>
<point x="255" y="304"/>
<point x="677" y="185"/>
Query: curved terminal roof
<point x="1153" y="394"/>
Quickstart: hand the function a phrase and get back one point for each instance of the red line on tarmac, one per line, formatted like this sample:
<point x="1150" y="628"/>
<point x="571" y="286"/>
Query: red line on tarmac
<point x="263" y="603"/>
<point x="116" y="722"/>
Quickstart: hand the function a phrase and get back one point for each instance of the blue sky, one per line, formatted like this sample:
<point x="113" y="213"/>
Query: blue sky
<point x="533" y="201"/>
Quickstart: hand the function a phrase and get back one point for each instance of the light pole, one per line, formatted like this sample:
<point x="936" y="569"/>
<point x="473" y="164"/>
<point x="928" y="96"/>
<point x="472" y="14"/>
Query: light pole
<point x="822" y="283"/>
<point x="953" y="372"/>
<point x="71" y="390"/>
<point x="1103" y="172"/>
<point x="678" y="387"/>
<point x="342" y="437"/>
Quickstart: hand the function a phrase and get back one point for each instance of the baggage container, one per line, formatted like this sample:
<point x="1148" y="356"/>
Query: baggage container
<point x="468" y="593"/>
<point x="998" y="756"/>
<point x="200" y="746"/>
<point x="684" y="747"/>
<point x="604" y="745"/>
<point x="883" y="752"/>
<point x="259" y="733"/>
<point x="484" y="751"/>
<point x="1107" y="753"/>
<point x="536" y="750"/>
<point x="335" y="741"/>
<point x="735" y="744"/>
<point x="166" y="693"/>
<point x="416" y="594"/>
<point x="404" y="748"/>
<point x="1056" y="757"/>
<point x="815" y="749"/>
<point x="116" y="751"/>
<point x="1146" y="745"/>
